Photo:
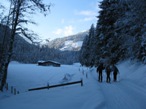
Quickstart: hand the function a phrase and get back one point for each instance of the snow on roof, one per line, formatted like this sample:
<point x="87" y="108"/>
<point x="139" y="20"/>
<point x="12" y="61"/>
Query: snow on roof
<point x="41" y="61"/>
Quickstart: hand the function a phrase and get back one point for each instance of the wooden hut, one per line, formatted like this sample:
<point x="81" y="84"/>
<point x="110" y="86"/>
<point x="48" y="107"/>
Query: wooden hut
<point x="49" y="63"/>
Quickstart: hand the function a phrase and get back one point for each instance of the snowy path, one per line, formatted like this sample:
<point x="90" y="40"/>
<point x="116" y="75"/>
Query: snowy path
<point x="122" y="95"/>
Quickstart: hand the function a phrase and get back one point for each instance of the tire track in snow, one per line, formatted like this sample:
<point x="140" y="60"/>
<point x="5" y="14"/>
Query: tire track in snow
<point x="102" y="103"/>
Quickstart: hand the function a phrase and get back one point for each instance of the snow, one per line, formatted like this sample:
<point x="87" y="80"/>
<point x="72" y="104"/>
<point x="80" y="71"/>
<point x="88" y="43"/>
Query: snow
<point x="128" y="93"/>
<point x="70" y="45"/>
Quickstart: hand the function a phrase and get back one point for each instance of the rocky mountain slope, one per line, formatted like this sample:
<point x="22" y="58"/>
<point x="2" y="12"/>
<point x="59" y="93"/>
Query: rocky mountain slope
<point x="70" y="43"/>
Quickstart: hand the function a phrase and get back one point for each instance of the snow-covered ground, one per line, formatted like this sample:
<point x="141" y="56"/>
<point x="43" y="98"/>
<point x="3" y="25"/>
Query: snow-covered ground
<point x="128" y="93"/>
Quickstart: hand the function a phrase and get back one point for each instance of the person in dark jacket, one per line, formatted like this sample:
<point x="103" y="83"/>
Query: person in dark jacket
<point x="115" y="72"/>
<point x="99" y="71"/>
<point x="108" y="71"/>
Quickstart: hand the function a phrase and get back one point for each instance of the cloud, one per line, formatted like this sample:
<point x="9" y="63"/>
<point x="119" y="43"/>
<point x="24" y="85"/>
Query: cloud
<point x="87" y="13"/>
<point x="66" y="31"/>
<point x="58" y="32"/>
<point x="87" y="19"/>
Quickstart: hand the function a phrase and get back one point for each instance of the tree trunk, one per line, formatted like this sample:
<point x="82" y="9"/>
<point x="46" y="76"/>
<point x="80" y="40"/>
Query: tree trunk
<point x="4" y="55"/>
<point x="7" y="57"/>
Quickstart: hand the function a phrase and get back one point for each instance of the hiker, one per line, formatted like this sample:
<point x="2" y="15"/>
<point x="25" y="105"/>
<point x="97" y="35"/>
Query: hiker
<point x="115" y="72"/>
<point x="99" y="71"/>
<point x="108" y="71"/>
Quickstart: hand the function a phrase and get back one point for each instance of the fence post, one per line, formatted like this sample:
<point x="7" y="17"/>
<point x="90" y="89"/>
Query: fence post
<point x="86" y="75"/>
<point x="48" y="85"/>
<point x="82" y="71"/>
<point x="7" y="86"/>
<point x="12" y="89"/>
<point x="81" y="82"/>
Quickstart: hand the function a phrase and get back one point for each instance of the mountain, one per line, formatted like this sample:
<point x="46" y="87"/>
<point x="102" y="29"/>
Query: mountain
<point x="69" y="43"/>
<point x="5" y="40"/>
<point x="63" y="50"/>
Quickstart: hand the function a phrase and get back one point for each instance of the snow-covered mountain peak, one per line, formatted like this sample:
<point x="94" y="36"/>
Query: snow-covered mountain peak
<point x="70" y="45"/>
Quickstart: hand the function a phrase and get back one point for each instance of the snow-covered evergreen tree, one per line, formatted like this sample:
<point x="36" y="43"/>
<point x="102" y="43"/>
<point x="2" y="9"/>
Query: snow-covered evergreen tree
<point x="84" y="52"/>
<point x="87" y="52"/>
<point x="92" y="46"/>
<point x="120" y="32"/>
<point x="107" y="37"/>
<point x="131" y="26"/>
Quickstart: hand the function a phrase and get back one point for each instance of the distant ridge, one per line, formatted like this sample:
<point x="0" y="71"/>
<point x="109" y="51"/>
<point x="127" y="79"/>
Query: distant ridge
<point x="69" y="43"/>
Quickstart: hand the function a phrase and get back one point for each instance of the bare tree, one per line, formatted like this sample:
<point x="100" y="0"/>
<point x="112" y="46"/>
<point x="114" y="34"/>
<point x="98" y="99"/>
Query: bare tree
<point x="16" y="21"/>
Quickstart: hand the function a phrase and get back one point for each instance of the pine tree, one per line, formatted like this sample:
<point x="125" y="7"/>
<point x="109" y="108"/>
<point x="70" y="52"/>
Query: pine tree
<point x="132" y="29"/>
<point x="121" y="30"/>
<point x="84" y="52"/>
<point x="107" y="37"/>
<point x="139" y="6"/>
<point x="87" y="52"/>
<point x="92" y="46"/>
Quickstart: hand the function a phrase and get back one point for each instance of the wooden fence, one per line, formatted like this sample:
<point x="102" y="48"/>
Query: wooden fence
<point x="58" y="85"/>
<point x="12" y="89"/>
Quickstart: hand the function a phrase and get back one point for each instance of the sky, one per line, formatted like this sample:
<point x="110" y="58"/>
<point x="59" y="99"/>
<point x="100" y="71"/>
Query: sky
<point x="66" y="17"/>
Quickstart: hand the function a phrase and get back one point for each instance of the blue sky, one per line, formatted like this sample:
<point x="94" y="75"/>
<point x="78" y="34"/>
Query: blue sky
<point x="66" y="17"/>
